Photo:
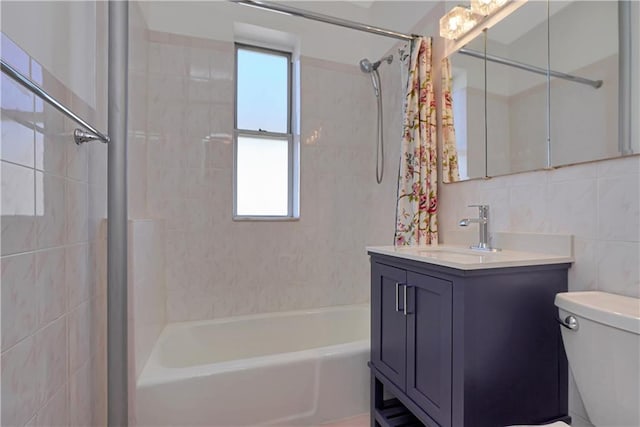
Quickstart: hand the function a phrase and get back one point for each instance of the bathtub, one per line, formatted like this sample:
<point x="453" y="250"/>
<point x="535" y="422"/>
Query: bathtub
<point x="291" y="368"/>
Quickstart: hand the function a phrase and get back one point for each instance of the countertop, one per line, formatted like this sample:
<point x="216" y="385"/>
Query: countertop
<point x="463" y="258"/>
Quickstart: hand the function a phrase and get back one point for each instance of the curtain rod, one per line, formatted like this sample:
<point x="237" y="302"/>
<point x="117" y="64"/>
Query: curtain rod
<point x="293" y="11"/>
<point x="80" y="136"/>
<point x="532" y="68"/>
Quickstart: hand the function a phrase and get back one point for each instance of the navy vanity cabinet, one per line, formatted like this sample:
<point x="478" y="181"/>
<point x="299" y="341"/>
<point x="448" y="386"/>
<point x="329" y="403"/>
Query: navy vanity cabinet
<point x="388" y="351"/>
<point x="466" y="348"/>
<point x="429" y="345"/>
<point x="411" y="344"/>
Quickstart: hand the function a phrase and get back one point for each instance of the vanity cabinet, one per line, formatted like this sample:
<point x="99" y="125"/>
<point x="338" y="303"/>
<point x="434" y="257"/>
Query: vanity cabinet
<point x="466" y="347"/>
<point x="412" y="336"/>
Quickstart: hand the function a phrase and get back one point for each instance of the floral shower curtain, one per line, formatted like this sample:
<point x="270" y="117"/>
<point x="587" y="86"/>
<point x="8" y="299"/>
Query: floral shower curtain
<point x="416" y="221"/>
<point x="450" y="171"/>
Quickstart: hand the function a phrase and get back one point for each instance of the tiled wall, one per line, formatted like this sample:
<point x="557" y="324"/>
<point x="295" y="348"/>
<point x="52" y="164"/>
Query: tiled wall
<point x="146" y="282"/>
<point x="53" y="258"/>
<point x="137" y="118"/>
<point x="147" y="298"/>
<point x="216" y="267"/>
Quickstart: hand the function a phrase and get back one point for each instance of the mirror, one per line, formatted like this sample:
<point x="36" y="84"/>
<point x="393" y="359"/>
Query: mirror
<point x="467" y="93"/>
<point x="516" y="92"/>
<point x="581" y="112"/>
<point x="584" y="42"/>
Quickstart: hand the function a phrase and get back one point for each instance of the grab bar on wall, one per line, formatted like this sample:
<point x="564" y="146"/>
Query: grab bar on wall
<point x="80" y="136"/>
<point x="538" y="70"/>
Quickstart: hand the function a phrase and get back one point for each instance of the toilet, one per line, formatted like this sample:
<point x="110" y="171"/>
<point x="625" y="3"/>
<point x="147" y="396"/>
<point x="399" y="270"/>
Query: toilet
<point x="601" y="335"/>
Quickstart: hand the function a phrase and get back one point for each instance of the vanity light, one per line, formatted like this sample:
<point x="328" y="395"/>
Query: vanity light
<point x="486" y="7"/>
<point x="458" y="22"/>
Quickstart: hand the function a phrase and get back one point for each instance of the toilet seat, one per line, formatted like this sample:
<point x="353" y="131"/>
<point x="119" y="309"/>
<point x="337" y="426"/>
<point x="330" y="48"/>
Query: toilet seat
<point x="555" y="424"/>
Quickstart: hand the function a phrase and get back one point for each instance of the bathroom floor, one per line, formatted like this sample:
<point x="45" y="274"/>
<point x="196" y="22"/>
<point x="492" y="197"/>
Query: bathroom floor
<point x="357" y="421"/>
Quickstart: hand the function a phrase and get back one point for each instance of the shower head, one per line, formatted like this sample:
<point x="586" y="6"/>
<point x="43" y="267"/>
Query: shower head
<point x="367" y="67"/>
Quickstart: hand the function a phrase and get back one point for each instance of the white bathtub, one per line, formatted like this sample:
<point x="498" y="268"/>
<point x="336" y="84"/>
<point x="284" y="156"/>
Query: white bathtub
<point x="293" y="368"/>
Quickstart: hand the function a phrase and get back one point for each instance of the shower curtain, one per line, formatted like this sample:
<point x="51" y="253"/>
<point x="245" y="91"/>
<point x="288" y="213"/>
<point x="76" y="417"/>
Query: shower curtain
<point x="450" y="171"/>
<point x="416" y="221"/>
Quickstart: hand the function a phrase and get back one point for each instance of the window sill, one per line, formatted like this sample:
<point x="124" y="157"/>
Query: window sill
<point x="266" y="218"/>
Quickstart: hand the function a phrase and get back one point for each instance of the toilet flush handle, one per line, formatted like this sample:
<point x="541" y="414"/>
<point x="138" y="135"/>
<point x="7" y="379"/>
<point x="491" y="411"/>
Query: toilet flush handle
<point x="569" y="322"/>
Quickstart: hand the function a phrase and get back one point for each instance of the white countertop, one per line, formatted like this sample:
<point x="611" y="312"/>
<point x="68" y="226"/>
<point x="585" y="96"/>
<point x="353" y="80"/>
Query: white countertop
<point x="463" y="258"/>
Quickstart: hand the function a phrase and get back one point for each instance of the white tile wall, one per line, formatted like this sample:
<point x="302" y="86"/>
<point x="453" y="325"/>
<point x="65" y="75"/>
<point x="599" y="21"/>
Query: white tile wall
<point x="53" y="259"/>
<point x="216" y="267"/>
<point x="147" y="283"/>
<point x="137" y="109"/>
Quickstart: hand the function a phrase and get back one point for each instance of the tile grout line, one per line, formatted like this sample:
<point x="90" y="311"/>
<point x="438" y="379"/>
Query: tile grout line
<point x="49" y="248"/>
<point x="69" y="309"/>
<point x="46" y="172"/>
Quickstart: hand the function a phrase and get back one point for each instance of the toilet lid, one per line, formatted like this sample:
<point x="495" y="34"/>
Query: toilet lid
<point x="556" y="424"/>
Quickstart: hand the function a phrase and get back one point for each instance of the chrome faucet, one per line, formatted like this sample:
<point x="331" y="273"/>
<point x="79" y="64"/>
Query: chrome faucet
<point x="483" y="228"/>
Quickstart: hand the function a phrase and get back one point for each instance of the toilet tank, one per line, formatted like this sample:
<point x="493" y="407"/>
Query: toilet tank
<point x="604" y="354"/>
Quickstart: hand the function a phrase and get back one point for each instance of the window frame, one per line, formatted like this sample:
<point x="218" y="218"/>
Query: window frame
<point x="292" y="214"/>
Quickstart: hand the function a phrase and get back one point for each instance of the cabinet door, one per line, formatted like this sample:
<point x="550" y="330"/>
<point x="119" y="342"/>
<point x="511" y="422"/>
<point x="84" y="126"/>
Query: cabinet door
<point x="429" y="341"/>
<point x="388" y="323"/>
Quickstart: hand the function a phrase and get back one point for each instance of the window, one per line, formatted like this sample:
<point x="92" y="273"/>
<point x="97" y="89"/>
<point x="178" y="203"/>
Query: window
<point x="265" y="155"/>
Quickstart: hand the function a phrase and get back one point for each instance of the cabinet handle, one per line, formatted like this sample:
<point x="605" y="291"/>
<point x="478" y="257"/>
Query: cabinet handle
<point x="398" y="284"/>
<point x="405" y="300"/>
<point x="397" y="287"/>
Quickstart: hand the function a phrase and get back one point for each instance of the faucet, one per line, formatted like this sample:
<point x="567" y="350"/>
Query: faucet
<point x="483" y="228"/>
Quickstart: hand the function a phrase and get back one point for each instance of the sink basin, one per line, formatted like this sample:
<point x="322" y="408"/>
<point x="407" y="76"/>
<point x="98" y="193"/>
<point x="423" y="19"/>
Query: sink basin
<point x="464" y="258"/>
<point x="452" y="256"/>
<point x="460" y="255"/>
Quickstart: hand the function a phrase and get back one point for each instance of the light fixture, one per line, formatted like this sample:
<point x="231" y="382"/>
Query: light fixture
<point x="462" y="20"/>
<point x="486" y="7"/>
<point x="458" y="22"/>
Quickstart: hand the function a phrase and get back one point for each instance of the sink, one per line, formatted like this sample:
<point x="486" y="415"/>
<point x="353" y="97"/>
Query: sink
<point x="460" y="255"/>
<point x="452" y="256"/>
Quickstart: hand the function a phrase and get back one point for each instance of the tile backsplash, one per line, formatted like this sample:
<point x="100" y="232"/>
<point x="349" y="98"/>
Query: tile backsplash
<point x="598" y="203"/>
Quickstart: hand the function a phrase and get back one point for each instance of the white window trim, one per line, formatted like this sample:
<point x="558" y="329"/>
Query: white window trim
<point x="293" y="149"/>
